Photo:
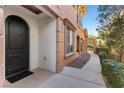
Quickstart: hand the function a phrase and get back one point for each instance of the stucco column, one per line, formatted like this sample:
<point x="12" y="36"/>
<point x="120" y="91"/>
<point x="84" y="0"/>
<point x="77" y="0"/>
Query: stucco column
<point x="59" y="45"/>
<point x="1" y="48"/>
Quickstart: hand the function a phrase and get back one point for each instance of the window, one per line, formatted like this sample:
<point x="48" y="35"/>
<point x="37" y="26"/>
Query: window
<point x="79" y="17"/>
<point x="69" y="40"/>
<point x="77" y="14"/>
<point x="74" y="6"/>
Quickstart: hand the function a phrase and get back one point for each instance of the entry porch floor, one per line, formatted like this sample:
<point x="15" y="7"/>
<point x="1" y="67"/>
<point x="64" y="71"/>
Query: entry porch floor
<point x="87" y="77"/>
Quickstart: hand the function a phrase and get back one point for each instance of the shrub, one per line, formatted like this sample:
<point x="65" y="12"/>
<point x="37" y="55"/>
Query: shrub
<point x="102" y="49"/>
<point x="103" y="52"/>
<point x="114" y="72"/>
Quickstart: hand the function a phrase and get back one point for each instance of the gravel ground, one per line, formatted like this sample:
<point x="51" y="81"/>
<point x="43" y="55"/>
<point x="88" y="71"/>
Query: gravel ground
<point x="80" y="61"/>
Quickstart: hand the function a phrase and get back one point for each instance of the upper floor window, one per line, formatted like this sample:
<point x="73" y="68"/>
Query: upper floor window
<point x="79" y="17"/>
<point x="74" y="6"/>
<point x="77" y="14"/>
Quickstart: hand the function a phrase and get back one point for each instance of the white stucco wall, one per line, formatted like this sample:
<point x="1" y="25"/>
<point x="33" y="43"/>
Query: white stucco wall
<point x="33" y="30"/>
<point x="42" y="31"/>
<point x="47" y="44"/>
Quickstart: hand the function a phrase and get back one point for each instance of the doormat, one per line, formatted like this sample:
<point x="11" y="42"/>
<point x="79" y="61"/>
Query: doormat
<point x="19" y="76"/>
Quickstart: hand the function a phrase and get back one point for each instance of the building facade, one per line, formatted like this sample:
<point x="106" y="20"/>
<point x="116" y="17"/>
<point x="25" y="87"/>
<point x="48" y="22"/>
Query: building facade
<point x="33" y="36"/>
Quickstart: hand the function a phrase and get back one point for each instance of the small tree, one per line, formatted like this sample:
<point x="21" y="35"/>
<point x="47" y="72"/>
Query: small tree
<point x="111" y="29"/>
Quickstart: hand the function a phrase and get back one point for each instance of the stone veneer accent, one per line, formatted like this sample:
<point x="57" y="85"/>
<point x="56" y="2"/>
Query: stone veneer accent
<point x="59" y="45"/>
<point x="1" y="48"/>
<point x="1" y="75"/>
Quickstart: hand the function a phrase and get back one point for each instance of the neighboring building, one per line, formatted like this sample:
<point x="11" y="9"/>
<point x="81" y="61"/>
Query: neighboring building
<point x="33" y="36"/>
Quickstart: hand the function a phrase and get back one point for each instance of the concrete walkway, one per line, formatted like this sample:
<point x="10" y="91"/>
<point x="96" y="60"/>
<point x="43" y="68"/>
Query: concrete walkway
<point x="87" y="77"/>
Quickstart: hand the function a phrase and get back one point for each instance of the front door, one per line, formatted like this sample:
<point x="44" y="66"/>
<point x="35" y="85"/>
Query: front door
<point x="17" y="46"/>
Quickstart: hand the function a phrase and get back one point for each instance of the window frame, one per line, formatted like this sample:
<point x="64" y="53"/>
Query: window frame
<point x="65" y="41"/>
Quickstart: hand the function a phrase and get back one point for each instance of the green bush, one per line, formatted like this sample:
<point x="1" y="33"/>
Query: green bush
<point x="114" y="72"/>
<point x="103" y="52"/>
<point x="102" y="49"/>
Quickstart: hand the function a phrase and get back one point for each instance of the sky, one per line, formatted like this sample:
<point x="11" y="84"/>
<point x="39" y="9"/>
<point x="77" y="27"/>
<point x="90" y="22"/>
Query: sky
<point x="89" y="20"/>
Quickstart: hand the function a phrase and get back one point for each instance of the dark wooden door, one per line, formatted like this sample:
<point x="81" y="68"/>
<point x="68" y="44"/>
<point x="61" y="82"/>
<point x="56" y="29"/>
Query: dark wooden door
<point x="17" y="46"/>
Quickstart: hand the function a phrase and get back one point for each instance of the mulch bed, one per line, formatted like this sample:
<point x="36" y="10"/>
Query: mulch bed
<point x="80" y="61"/>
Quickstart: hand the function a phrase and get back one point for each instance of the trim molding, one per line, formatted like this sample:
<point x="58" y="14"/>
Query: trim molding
<point x="69" y="24"/>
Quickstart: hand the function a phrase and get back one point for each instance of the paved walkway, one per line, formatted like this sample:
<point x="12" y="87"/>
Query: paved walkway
<point x="88" y="76"/>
